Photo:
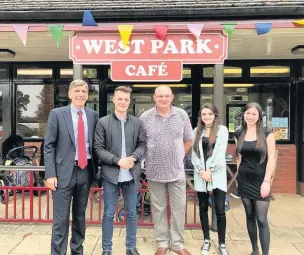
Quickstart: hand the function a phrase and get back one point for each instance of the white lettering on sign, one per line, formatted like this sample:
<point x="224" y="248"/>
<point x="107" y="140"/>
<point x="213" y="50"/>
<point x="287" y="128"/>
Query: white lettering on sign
<point x="112" y="47"/>
<point x="91" y="45"/>
<point x="161" y="70"/>
<point x="203" y="47"/>
<point x="157" y="46"/>
<point x="186" y="47"/>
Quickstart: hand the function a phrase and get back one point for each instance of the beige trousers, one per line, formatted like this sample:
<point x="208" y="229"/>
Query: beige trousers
<point x="177" y="199"/>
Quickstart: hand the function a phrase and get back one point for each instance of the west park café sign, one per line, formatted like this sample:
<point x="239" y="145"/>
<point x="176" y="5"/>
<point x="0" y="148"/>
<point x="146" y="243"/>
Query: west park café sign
<point x="146" y="58"/>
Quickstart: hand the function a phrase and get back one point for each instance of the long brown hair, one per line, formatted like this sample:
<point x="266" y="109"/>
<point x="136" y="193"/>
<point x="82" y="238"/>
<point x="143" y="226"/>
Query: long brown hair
<point x="201" y="127"/>
<point x="261" y="145"/>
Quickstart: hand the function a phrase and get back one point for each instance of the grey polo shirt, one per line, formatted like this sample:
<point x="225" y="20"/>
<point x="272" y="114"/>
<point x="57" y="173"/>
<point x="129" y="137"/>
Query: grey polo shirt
<point x="165" y="144"/>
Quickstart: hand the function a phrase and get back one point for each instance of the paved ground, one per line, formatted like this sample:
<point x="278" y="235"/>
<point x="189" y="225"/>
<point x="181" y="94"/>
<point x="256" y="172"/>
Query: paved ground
<point x="286" y="219"/>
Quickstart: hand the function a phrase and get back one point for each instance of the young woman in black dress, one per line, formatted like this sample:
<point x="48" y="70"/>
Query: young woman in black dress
<point x="255" y="148"/>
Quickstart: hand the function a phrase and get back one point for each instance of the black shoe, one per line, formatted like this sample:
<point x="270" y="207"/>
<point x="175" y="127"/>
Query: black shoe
<point x="106" y="253"/>
<point x="132" y="252"/>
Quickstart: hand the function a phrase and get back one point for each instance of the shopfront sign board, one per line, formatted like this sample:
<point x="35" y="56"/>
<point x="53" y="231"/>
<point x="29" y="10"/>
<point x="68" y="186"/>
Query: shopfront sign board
<point x="147" y="58"/>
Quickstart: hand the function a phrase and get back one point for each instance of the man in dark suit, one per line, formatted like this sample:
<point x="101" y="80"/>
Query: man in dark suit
<point x="70" y="167"/>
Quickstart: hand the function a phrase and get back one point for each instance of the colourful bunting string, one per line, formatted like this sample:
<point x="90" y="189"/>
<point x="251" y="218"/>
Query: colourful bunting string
<point x="88" y="19"/>
<point x="56" y="31"/>
<point x="125" y="32"/>
<point x="161" y="32"/>
<point x="22" y="33"/>
<point x="263" y="28"/>
<point x="299" y="22"/>
<point x="229" y="28"/>
<point x="195" y="29"/>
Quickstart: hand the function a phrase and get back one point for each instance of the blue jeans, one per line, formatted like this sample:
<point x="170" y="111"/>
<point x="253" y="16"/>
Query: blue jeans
<point x="110" y="195"/>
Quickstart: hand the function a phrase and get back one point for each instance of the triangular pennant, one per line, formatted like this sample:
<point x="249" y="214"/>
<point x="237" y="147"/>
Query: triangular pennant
<point x="161" y="32"/>
<point x="299" y="22"/>
<point x="88" y="19"/>
<point x="263" y="28"/>
<point x="195" y="29"/>
<point x="22" y="33"/>
<point x="229" y="28"/>
<point x="56" y="31"/>
<point x="125" y="32"/>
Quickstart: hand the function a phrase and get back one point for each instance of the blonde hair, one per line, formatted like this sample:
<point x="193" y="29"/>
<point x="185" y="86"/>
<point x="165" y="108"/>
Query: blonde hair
<point x="77" y="83"/>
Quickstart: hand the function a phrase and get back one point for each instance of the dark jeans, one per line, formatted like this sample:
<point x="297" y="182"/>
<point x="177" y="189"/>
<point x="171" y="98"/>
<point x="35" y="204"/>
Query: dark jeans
<point x="219" y="200"/>
<point x="110" y="195"/>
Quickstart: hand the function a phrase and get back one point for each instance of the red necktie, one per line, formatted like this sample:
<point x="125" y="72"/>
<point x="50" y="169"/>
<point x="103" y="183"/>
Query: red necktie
<point x="82" y="153"/>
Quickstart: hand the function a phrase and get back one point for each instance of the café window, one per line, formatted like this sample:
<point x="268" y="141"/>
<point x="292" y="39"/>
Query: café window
<point x="89" y="73"/>
<point x="229" y="72"/>
<point x="62" y="99"/>
<point x="33" y="104"/>
<point x="3" y="72"/>
<point x="142" y="98"/>
<point x="34" y="73"/>
<point x="270" y="71"/>
<point x="273" y="98"/>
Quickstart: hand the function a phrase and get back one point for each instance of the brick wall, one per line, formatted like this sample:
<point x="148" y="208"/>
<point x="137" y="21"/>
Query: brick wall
<point x="285" y="176"/>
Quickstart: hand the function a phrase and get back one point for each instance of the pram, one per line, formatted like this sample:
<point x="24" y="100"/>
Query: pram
<point x="13" y="154"/>
<point x="142" y="208"/>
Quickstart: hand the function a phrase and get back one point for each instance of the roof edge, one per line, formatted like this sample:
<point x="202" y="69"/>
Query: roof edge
<point x="157" y="14"/>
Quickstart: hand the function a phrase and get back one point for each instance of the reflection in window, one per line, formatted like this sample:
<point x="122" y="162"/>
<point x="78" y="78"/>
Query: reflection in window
<point x="3" y="72"/>
<point x="34" y="103"/>
<point x="270" y="71"/>
<point x="62" y="98"/>
<point x="274" y="100"/>
<point x="34" y="73"/>
<point x="90" y="73"/>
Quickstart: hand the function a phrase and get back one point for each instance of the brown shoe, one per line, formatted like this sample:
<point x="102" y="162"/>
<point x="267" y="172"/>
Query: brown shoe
<point x="181" y="252"/>
<point x="161" y="251"/>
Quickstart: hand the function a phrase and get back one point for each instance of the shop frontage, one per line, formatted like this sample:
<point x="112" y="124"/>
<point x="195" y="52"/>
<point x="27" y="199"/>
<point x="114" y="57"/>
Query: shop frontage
<point x="230" y="63"/>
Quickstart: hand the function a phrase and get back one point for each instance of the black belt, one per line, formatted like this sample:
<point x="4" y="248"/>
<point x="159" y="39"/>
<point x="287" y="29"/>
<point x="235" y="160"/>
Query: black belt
<point x="76" y="162"/>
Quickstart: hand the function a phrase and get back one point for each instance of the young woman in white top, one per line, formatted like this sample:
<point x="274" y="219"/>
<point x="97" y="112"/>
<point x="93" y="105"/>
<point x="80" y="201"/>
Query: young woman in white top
<point x="209" y="161"/>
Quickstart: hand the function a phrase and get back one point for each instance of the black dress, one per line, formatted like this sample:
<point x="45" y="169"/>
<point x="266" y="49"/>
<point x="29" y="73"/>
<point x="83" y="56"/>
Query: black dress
<point x="251" y="173"/>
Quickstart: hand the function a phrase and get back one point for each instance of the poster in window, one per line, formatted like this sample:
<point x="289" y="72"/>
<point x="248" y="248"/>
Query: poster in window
<point x="280" y="128"/>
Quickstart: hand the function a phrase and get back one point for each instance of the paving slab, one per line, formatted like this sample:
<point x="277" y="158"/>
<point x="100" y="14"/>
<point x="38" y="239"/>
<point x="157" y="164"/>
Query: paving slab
<point x="299" y="246"/>
<point x="8" y="242"/>
<point x="34" y="229"/>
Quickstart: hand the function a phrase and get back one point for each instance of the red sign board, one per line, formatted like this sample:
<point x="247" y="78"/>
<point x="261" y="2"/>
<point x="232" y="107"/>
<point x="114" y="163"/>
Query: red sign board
<point x="210" y="48"/>
<point x="147" y="70"/>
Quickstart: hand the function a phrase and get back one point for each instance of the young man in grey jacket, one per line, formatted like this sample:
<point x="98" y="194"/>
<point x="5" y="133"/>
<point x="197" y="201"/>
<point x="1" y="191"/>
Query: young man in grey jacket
<point x="119" y="146"/>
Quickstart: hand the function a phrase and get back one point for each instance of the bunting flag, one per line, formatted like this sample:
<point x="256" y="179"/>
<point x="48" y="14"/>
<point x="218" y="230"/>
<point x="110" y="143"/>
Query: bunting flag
<point x="195" y="29"/>
<point x="229" y="28"/>
<point x="56" y="31"/>
<point x="299" y="22"/>
<point x="263" y="28"/>
<point x="125" y="32"/>
<point x="161" y="32"/>
<point x="22" y="33"/>
<point x="88" y="19"/>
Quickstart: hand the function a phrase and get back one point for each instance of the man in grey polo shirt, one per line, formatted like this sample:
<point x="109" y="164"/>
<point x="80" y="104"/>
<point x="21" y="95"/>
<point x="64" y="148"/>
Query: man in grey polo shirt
<point x="169" y="137"/>
<point x="119" y="146"/>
